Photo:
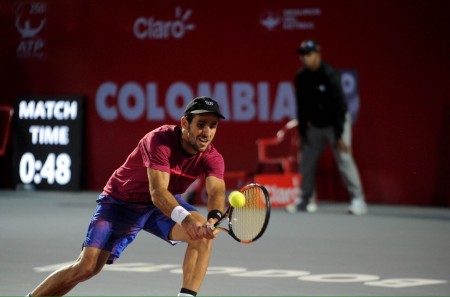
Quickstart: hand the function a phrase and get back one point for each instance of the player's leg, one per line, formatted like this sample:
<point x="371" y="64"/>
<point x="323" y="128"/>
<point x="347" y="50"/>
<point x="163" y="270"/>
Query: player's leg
<point x="348" y="169"/>
<point x="113" y="227"/>
<point x="60" y="282"/>
<point x="197" y="256"/>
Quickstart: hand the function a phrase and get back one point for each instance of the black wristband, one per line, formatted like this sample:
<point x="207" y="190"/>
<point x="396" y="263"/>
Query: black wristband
<point x="215" y="214"/>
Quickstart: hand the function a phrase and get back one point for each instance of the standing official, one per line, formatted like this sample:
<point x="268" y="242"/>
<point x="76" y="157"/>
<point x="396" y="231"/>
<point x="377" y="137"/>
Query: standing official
<point x="323" y="119"/>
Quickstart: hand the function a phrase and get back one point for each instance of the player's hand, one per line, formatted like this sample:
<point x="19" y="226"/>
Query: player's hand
<point x="194" y="228"/>
<point x="211" y="232"/>
<point x="342" y="146"/>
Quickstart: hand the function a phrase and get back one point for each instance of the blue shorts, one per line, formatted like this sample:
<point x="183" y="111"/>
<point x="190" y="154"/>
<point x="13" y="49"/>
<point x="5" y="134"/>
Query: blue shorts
<point x="115" y="224"/>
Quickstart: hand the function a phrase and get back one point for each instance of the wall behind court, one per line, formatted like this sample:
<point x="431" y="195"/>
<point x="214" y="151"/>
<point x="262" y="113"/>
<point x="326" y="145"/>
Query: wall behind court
<point x="139" y="62"/>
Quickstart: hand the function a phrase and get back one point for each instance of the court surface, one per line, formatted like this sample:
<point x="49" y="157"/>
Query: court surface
<point x="327" y="253"/>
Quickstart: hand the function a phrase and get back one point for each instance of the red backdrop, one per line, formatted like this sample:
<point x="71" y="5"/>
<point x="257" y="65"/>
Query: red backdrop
<point x="137" y="62"/>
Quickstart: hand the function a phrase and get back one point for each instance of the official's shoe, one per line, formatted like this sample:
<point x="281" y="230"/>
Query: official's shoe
<point x="358" y="207"/>
<point x="310" y="207"/>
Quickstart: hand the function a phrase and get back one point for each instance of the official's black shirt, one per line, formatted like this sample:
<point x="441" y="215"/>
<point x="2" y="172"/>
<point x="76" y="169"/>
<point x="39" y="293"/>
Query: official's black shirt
<point x="320" y="101"/>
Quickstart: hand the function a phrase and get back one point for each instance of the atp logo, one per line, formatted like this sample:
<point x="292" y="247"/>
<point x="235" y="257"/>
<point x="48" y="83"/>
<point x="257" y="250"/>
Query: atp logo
<point x="152" y="28"/>
<point x="27" y="31"/>
<point x="30" y="22"/>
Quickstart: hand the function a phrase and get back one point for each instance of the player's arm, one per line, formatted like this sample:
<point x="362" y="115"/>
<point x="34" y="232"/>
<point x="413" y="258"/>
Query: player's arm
<point x="215" y="187"/>
<point x="164" y="200"/>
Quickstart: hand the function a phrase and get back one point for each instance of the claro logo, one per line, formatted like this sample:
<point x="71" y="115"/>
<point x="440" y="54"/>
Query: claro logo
<point x="152" y="28"/>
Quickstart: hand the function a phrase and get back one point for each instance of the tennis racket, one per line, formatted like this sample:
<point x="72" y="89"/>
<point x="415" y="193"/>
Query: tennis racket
<point x="248" y="223"/>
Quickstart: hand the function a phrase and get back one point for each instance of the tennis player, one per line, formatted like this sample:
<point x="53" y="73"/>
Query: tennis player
<point x="144" y="194"/>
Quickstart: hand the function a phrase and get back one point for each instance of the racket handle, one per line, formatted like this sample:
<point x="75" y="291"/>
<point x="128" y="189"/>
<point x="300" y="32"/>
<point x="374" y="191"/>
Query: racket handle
<point x="214" y="226"/>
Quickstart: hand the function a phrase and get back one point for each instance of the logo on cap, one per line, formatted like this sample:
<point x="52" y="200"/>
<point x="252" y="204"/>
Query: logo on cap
<point x="203" y="105"/>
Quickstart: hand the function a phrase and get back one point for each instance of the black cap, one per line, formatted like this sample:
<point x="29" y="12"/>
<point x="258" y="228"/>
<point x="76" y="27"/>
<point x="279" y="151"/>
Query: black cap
<point x="308" y="46"/>
<point x="203" y="105"/>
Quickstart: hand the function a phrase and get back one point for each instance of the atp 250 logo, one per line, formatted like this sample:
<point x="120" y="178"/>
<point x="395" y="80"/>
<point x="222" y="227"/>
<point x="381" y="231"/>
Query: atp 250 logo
<point x="31" y="25"/>
<point x="153" y="28"/>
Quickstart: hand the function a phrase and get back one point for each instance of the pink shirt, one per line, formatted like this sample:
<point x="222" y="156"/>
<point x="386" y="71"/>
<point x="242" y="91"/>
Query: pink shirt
<point x="161" y="149"/>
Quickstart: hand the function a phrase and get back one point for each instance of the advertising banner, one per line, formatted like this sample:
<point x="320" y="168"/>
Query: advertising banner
<point x="138" y="63"/>
<point x="284" y="189"/>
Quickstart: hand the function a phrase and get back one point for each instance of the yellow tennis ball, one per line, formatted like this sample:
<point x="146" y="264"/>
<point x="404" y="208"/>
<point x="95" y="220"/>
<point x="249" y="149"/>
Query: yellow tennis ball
<point x="236" y="199"/>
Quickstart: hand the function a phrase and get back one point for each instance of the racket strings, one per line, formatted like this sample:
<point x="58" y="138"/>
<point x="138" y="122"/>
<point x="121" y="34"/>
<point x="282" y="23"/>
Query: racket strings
<point x="248" y="221"/>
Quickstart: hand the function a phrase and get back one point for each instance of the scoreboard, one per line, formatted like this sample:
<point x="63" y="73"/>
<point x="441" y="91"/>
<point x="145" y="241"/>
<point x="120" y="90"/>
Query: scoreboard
<point x="48" y="142"/>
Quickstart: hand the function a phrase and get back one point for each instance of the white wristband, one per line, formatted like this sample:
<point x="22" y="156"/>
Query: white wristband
<point x="179" y="214"/>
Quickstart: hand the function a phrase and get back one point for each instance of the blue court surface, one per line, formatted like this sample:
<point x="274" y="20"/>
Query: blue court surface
<point x="392" y="251"/>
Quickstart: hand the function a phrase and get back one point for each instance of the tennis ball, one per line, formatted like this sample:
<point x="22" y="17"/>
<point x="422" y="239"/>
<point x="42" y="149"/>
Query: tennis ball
<point x="236" y="199"/>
